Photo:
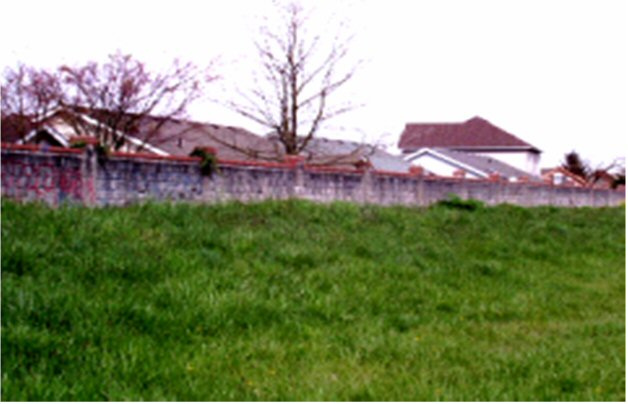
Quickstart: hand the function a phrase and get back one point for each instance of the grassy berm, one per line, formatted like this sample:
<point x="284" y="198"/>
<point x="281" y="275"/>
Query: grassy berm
<point x="299" y="301"/>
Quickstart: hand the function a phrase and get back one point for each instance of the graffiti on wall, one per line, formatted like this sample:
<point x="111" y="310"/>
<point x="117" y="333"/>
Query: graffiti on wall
<point x="41" y="180"/>
<point x="71" y="176"/>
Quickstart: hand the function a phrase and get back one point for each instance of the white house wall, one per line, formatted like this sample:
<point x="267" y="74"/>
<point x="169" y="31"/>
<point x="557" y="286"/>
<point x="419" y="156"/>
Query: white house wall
<point x="439" y="167"/>
<point x="526" y="161"/>
<point x="131" y="143"/>
<point x="65" y="129"/>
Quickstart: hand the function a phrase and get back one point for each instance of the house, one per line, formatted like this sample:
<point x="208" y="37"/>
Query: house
<point x="562" y="176"/>
<point x="350" y="154"/>
<point x="475" y="136"/>
<point x="603" y="179"/>
<point x="58" y="128"/>
<point x="147" y="134"/>
<point x="600" y="179"/>
<point x="178" y="137"/>
<point x="14" y="126"/>
<point x="445" y="162"/>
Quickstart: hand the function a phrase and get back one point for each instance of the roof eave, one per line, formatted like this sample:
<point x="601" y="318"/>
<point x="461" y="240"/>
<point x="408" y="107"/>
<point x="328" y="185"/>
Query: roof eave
<point x="494" y="148"/>
<point x="450" y="160"/>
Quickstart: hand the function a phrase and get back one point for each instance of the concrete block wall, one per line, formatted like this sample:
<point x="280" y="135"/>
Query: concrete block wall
<point x="59" y="175"/>
<point x="121" y="181"/>
<point x="47" y="176"/>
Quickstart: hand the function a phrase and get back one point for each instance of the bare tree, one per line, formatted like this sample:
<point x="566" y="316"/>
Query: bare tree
<point x="298" y="77"/>
<point x="620" y="175"/>
<point x="109" y="100"/>
<point x="614" y="173"/>
<point x="125" y="97"/>
<point x="28" y="96"/>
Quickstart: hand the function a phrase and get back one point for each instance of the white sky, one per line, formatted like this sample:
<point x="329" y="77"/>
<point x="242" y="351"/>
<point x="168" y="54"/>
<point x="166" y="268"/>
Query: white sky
<point x="552" y="72"/>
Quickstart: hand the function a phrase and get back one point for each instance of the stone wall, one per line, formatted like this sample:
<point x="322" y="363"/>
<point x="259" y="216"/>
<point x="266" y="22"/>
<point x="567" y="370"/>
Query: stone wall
<point x="58" y="175"/>
<point x="51" y="177"/>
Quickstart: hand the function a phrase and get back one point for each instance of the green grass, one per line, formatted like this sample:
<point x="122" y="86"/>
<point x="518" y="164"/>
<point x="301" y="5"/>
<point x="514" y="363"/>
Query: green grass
<point x="298" y="301"/>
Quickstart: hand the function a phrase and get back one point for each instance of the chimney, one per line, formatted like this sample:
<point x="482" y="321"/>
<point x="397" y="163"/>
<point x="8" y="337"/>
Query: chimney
<point x="416" y="171"/>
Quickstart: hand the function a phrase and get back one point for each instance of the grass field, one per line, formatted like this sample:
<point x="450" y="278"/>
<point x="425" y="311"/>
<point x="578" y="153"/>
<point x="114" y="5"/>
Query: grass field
<point x="298" y="301"/>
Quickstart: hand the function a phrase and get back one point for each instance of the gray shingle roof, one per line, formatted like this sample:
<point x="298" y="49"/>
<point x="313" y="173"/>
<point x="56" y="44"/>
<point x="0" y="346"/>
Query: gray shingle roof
<point x="487" y="165"/>
<point x="349" y="152"/>
<point x="180" y="137"/>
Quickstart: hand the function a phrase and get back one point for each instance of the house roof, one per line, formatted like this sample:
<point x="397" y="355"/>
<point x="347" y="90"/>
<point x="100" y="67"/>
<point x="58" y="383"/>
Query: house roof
<point x="548" y="173"/>
<point x="180" y="137"/>
<point x="161" y="135"/>
<point x="344" y="152"/>
<point x="473" y="133"/>
<point x="14" y="127"/>
<point x="602" y="179"/>
<point x="477" y="163"/>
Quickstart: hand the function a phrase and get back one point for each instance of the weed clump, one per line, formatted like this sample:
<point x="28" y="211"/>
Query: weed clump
<point x="209" y="163"/>
<point x="457" y="203"/>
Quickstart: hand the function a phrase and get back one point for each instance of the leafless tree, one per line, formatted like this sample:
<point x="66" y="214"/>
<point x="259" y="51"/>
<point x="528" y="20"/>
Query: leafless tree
<point x="613" y="173"/>
<point x="28" y="96"/>
<point x="125" y="97"/>
<point x="298" y="76"/>
<point x="109" y="100"/>
<point x="620" y="174"/>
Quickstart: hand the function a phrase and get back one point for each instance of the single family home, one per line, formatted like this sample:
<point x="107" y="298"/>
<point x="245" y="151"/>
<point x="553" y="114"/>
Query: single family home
<point x="475" y="141"/>
<point x="179" y="137"/>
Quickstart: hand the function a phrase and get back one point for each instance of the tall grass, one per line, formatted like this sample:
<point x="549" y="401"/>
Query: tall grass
<point x="298" y="301"/>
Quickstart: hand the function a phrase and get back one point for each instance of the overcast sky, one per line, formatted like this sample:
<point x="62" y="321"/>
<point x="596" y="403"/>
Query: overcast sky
<point x="552" y="72"/>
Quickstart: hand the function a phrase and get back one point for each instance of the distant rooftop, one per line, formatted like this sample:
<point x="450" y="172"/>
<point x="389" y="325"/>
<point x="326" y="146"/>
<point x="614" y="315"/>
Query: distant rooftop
<point x="488" y="165"/>
<point x="349" y="152"/>
<point x="473" y="133"/>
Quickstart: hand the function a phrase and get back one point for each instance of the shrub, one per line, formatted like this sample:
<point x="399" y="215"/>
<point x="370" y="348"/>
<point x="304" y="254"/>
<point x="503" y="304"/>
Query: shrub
<point x="209" y="163"/>
<point x="455" y="202"/>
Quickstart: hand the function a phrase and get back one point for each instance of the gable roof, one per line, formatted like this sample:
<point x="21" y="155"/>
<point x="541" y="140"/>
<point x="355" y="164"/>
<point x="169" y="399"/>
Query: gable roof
<point x="48" y="133"/>
<point x="57" y="126"/>
<point x="477" y="164"/>
<point x="152" y="134"/>
<point x="180" y="137"/>
<point x="474" y="133"/>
